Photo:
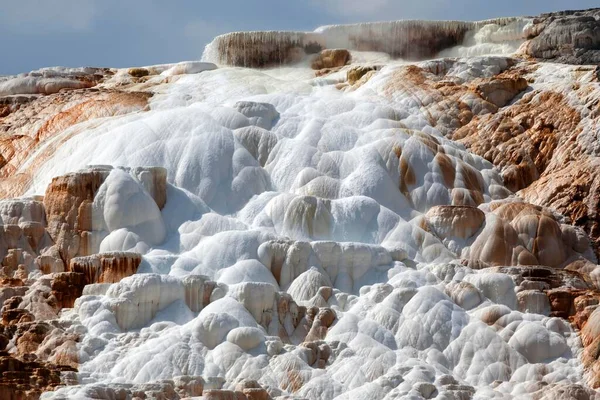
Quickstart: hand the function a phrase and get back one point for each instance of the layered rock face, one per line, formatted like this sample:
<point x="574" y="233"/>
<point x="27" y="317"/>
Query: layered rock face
<point x="349" y="228"/>
<point x="40" y="275"/>
<point x="412" y="40"/>
<point x="571" y="37"/>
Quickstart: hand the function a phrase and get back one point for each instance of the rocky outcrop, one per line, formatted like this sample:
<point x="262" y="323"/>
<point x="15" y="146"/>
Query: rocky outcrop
<point x="331" y="58"/>
<point x="47" y="81"/>
<point x="27" y="380"/>
<point x="39" y="238"/>
<point x="262" y="49"/>
<point x="543" y="145"/>
<point x="501" y="91"/>
<point x="571" y="37"/>
<point x="357" y="76"/>
<point x="68" y="203"/>
<point x="411" y="40"/>
<point x="69" y="208"/>
<point x="525" y="234"/>
<point x="106" y="267"/>
<point x="455" y="221"/>
<point x="43" y="353"/>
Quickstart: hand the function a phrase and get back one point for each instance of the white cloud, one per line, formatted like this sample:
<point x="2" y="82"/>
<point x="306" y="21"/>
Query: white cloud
<point x="41" y="16"/>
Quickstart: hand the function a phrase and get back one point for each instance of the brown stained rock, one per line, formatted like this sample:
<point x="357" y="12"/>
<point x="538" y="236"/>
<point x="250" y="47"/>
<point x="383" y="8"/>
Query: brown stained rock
<point x="49" y="264"/>
<point x="501" y="91"/>
<point x="561" y="301"/>
<point x="264" y="49"/>
<point x="36" y="124"/>
<point x="326" y="71"/>
<point x="519" y="233"/>
<point x="26" y="380"/>
<point x="106" y="267"/>
<point x="355" y="74"/>
<point x="542" y="145"/>
<point x="530" y="131"/>
<point x="12" y="303"/>
<point x="455" y="221"/>
<point x="252" y="390"/>
<point x="68" y="203"/>
<point x="331" y="58"/>
<point x="4" y="341"/>
<point x="220" y="394"/>
<point x="67" y="287"/>
<point x="564" y="391"/>
<point x="154" y="180"/>
<point x="16" y="316"/>
<point x="66" y="198"/>
<point x="189" y="386"/>
<point x="138" y="72"/>
<point x="533" y="301"/>
<point x="318" y="353"/>
<point x="320" y="320"/>
<point x="256" y="394"/>
<point x="29" y="336"/>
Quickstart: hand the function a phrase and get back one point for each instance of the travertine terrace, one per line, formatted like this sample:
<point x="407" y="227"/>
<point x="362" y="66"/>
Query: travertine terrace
<point x="399" y="210"/>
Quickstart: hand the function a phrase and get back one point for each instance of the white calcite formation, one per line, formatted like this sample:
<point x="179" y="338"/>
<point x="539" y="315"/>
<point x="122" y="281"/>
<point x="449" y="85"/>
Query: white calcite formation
<point x="259" y="234"/>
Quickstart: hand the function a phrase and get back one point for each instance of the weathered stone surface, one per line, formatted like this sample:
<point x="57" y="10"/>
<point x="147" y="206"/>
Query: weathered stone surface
<point x="68" y="203"/>
<point x="568" y="36"/>
<point x="455" y="221"/>
<point x="543" y="145"/>
<point x="501" y="91"/>
<point x="33" y="124"/>
<point x="69" y="208"/>
<point x="331" y="58"/>
<point x="26" y="380"/>
<point x="358" y="76"/>
<point x="106" y="267"/>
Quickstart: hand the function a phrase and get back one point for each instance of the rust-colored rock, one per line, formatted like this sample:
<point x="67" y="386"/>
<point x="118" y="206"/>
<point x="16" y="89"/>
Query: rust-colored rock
<point x="26" y="380"/>
<point x="106" y="267"/>
<point x="138" y="72"/>
<point x="67" y="287"/>
<point x="68" y="203"/>
<point x="220" y="394"/>
<point x="34" y="123"/>
<point x="320" y="320"/>
<point x="455" y="221"/>
<point x="355" y="74"/>
<point x="544" y="145"/>
<point x="501" y="91"/>
<point x="331" y="58"/>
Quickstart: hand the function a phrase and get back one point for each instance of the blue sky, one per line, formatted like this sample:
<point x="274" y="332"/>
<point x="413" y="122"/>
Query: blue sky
<point x="120" y="33"/>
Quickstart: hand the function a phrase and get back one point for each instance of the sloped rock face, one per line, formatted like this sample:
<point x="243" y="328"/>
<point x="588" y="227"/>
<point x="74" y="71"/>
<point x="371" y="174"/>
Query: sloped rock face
<point x="570" y="36"/>
<point x="31" y="122"/>
<point x="542" y="144"/>
<point x="501" y="91"/>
